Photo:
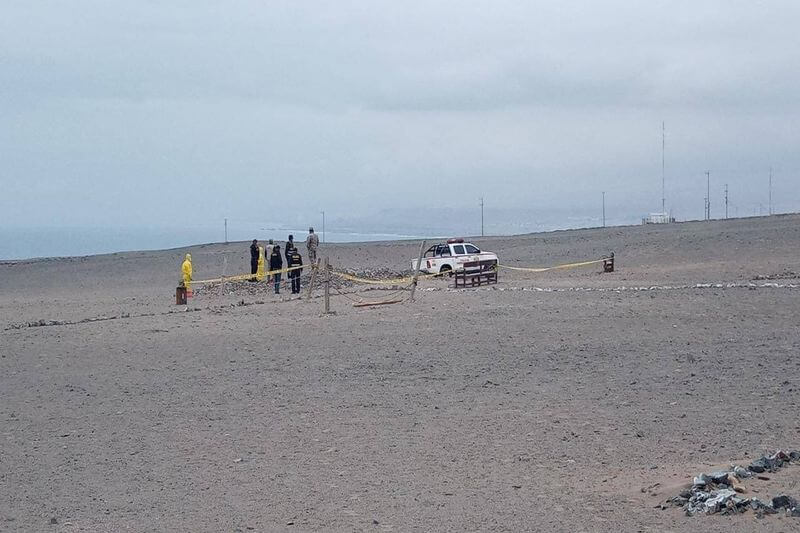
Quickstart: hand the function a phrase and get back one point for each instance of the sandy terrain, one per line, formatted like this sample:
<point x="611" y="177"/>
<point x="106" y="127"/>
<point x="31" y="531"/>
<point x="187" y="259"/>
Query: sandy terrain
<point x="503" y="409"/>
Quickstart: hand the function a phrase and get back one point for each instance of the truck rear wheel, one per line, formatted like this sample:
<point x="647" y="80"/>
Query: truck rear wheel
<point x="445" y="270"/>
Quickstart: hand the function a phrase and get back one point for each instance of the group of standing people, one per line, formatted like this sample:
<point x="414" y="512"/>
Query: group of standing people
<point x="259" y="257"/>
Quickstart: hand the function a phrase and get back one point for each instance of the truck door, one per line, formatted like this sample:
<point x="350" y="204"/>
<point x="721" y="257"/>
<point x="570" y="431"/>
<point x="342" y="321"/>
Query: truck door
<point x="473" y="252"/>
<point x="458" y="252"/>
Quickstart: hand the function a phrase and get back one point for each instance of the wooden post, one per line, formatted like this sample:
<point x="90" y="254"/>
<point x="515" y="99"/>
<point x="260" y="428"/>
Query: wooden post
<point x="327" y="278"/>
<point x="314" y="267"/>
<point x="608" y="264"/>
<point x="224" y="261"/>
<point x="416" y="271"/>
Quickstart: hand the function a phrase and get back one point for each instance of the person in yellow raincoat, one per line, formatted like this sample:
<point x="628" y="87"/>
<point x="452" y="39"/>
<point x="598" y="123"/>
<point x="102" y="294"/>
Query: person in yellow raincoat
<point x="261" y="271"/>
<point x="186" y="269"/>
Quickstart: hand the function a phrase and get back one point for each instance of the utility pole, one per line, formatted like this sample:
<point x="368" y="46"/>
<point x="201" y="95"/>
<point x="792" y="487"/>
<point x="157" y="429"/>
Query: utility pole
<point x="226" y="231"/>
<point x="323" y="226"/>
<point x="726" y="200"/>
<point x="663" y="175"/>
<point x="770" y="190"/>
<point x="708" y="195"/>
<point x="481" y="216"/>
<point x="604" y="209"/>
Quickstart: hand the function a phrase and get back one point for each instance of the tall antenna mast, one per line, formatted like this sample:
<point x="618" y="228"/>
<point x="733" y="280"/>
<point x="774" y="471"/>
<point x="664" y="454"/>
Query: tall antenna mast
<point x="663" y="175"/>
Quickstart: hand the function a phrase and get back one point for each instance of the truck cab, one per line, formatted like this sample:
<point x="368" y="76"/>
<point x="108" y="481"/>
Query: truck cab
<point x="450" y="256"/>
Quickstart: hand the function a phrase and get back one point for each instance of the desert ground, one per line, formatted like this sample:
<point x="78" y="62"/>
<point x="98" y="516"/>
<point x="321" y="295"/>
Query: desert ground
<point x="569" y="400"/>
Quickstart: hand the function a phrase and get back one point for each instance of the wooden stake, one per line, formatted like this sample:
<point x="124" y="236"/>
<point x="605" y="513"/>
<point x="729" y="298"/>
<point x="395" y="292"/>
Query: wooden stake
<point x="327" y="278"/>
<point x="416" y="272"/>
<point x="314" y="268"/>
<point x="224" y="261"/>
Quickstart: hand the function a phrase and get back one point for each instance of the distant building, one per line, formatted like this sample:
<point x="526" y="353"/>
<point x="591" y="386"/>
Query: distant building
<point x="658" y="218"/>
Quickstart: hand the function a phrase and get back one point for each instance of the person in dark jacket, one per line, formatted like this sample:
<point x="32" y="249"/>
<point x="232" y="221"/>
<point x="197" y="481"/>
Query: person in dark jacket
<point x="276" y="263"/>
<point x="289" y="247"/>
<point x="254" y="258"/>
<point x="295" y="259"/>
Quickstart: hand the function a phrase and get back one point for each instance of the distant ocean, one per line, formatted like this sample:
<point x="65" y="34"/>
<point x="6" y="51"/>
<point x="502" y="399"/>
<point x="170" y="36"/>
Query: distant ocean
<point x="26" y="243"/>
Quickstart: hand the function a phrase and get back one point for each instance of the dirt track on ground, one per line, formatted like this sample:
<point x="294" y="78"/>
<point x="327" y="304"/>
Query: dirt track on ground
<point x="504" y="409"/>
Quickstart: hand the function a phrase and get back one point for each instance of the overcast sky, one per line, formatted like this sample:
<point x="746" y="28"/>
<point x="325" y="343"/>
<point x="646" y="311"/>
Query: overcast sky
<point x="186" y="112"/>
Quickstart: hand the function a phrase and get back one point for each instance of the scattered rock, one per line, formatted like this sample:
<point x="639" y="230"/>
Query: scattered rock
<point x="717" y="499"/>
<point x="735" y="484"/>
<point x="779" y="502"/>
<point x="719" y="477"/>
<point x="54" y="520"/>
<point x="786" y="274"/>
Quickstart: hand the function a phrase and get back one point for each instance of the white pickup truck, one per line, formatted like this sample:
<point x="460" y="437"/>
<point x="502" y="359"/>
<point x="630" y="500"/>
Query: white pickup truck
<point x="451" y="256"/>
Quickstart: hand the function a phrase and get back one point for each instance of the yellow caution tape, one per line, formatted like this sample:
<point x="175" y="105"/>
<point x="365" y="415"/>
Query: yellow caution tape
<point x="558" y="267"/>
<point x="409" y="279"/>
<point x="243" y="277"/>
<point x="391" y="281"/>
<point x="395" y="281"/>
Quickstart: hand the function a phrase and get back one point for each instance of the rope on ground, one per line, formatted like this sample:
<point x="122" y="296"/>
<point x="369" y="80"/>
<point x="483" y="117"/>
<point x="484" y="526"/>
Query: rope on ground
<point x="385" y="298"/>
<point x="361" y="300"/>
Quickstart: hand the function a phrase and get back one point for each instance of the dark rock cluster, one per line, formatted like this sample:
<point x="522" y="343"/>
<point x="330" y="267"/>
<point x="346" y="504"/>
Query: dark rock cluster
<point x="720" y="492"/>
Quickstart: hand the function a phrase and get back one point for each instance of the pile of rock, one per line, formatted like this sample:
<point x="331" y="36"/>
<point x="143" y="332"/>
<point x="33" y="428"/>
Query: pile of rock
<point x="264" y="288"/>
<point x="786" y="274"/>
<point x="379" y="273"/>
<point x="719" y="492"/>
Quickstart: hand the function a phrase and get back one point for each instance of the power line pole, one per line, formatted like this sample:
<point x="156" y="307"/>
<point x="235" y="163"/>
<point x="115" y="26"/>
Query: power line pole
<point x="604" y="209"/>
<point x="726" y="200"/>
<point x="663" y="174"/>
<point x="481" y="216"/>
<point x="770" y="190"/>
<point x="708" y="195"/>
<point x="226" y="231"/>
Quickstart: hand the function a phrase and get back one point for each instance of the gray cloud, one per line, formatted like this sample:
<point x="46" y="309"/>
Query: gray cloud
<point x="277" y="109"/>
